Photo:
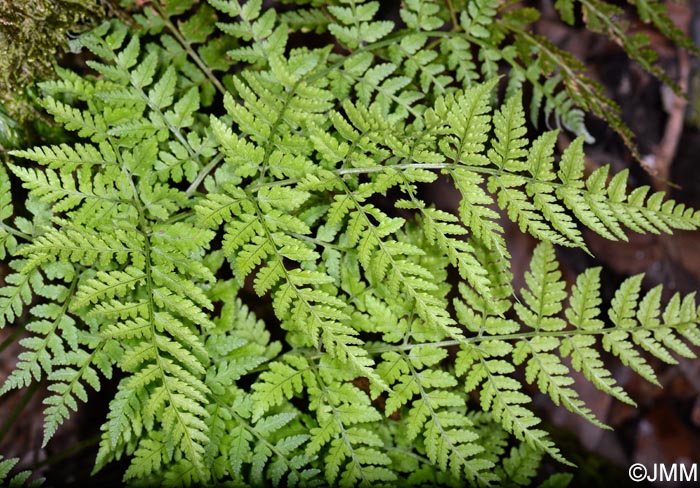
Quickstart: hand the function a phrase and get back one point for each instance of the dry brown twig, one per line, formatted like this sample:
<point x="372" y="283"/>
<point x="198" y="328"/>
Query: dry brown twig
<point x="658" y="162"/>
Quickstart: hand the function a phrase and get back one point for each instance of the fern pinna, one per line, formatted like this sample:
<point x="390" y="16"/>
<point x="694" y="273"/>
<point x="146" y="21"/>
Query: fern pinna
<point x="187" y="183"/>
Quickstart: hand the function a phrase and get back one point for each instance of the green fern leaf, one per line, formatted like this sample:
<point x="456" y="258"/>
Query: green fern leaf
<point x="582" y="313"/>
<point x="17" y="480"/>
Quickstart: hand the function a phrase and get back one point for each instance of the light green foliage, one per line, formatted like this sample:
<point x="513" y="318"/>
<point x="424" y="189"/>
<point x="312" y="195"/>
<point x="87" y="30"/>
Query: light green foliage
<point x="16" y="480"/>
<point x="299" y="177"/>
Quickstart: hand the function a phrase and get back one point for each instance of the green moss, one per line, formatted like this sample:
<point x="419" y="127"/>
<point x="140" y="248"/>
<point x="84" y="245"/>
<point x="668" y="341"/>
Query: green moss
<point x="32" y="33"/>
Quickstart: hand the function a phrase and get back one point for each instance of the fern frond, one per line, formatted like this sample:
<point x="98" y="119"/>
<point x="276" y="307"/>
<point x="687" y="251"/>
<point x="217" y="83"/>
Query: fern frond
<point x="80" y="246"/>
<point x="354" y="25"/>
<point x="582" y="313"/>
<point x="502" y="395"/>
<point x="67" y="158"/>
<point x="108" y="285"/>
<point x="449" y="442"/>
<point x="521" y="465"/>
<point x="542" y="300"/>
<point x="61" y="189"/>
<point x="268" y="39"/>
<point x="540" y="166"/>
<point x="307" y="187"/>
<point x="442" y="228"/>
<point x="17" y="480"/>
<point x="67" y="385"/>
<point x="84" y="123"/>
<point x="280" y="382"/>
<point x="468" y="119"/>
<point x="18" y="290"/>
<point x="622" y="314"/>
<point x="8" y="241"/>
<point x="351" y="454"/>
<point x="54" y="335"/>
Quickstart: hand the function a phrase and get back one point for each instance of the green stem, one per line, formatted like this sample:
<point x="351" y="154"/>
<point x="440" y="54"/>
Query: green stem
<point x="191" y="52"/>
<point x="203" y="174"/>
<point x="453" y="15"/>
<point x="15" y="232"/>
<point x="515" y="336"/>
<point x="150" y="287"/>
<point x="456" y="456"/>
<point x="313" y="354"/>
<point x="272" y="447"/>
<point x="341" y="426"/>
<point x="316" y="242"/>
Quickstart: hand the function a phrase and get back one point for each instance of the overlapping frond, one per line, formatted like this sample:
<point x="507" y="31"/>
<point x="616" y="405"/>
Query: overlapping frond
<point x="215" y="161"/>
<point x="489" y="361"/>
<point x="435" y="411"/>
